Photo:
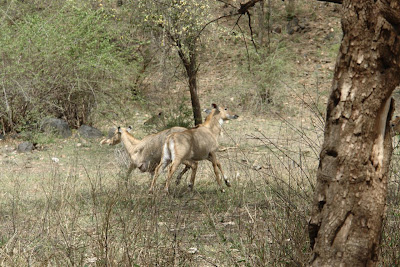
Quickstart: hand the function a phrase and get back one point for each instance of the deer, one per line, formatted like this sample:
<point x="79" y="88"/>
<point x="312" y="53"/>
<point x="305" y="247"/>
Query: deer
<point x="193" y="145"/>
<point x="145" y="154"/>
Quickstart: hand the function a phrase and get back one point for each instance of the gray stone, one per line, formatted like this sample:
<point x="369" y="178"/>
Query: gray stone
<point x="89" y="132"/>
<point x="25" y="147"/>
<point x="57" y="126"/>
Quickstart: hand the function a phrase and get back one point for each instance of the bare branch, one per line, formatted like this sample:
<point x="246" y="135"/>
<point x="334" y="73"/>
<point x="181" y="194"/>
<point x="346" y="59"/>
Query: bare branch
<point x="244" y="8"/>
<point x="214" y="20"/>
<point x="251" y="32"/>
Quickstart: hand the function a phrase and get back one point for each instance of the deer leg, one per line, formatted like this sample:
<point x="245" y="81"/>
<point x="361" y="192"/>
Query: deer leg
<point x="213" y="158"/>
<point x="228" y="184"/>
<point x="171" y="171"/>
<point x="157" y="171"/>
<point x="192" y="178"/>
<point x="179" y="177"/>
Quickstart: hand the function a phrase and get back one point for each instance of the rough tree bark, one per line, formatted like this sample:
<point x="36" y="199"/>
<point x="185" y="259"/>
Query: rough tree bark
<point x="350" y="197"/>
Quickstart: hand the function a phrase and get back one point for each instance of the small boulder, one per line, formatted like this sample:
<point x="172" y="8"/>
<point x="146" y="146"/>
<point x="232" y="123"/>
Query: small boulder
<point x="25" y="147"/>
<point x="294" y="25"/>
<point x="87" y="131"/>
<point x="57" y="126"/>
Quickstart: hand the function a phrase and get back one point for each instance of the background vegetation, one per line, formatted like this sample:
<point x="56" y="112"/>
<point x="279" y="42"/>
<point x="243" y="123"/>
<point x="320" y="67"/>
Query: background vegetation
<point x="102" y="63"/>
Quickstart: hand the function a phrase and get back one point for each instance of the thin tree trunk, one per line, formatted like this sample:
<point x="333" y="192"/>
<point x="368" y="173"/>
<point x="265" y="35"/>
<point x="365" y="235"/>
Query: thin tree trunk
<point x="349" y="202"/>
<point x="194" y="97"/>
<point x="190" y="65"/>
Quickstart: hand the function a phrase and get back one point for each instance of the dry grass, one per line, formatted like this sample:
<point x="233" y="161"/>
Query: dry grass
<point x="81" y="211"/>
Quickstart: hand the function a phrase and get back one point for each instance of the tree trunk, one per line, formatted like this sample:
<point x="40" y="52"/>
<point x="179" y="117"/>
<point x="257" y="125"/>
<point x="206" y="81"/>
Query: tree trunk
<point x="190" y="64"/>
<point x="350" y="197"/>
<point x="194" y="97"/>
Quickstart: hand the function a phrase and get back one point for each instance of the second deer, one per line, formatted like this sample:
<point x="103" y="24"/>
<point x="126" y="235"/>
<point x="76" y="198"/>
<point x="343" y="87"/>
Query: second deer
<point x="145" y="154"/>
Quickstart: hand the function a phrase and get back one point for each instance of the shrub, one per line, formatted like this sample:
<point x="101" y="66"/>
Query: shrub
<point x="61" y="65"/>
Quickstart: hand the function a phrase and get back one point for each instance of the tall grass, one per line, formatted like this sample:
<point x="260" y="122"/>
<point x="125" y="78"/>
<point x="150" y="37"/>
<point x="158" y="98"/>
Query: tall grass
<point x="83" y="212"/>
<point x="89" y="215"/>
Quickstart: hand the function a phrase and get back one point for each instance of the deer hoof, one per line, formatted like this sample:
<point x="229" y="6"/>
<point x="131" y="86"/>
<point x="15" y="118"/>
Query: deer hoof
<point x="228" y="184"/>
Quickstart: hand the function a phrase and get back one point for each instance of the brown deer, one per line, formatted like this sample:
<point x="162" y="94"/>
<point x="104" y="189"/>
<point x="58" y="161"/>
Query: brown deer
<point x="193" y="145"/>
<point x="145" y="154"/>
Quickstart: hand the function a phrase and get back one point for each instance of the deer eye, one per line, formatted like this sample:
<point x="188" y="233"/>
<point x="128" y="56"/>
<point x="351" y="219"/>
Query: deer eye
<point x="226" y="108"/>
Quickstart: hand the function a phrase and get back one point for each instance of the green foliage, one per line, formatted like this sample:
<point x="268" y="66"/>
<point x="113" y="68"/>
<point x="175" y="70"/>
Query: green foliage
<point x="181" y="20"/>
<point x="61" y="65"/>
<point x="180" y="115"/>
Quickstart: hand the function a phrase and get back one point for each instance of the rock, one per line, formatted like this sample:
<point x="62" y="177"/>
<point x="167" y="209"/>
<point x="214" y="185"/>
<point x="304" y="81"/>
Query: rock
<point x="228" y="224"/>
<point x="193" y="250"/>
<point x="57" y="126"/>
<point x="294" y="25"/>
<point x="25" y="147"/>
<point x="89" y="132"/>
<point x="257" y="167"/>
<point x="277" y="29"/>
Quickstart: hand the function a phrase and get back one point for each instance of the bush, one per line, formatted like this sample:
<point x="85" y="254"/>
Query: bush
<point x="181" y="116"/>
<point x="61" y="65"/>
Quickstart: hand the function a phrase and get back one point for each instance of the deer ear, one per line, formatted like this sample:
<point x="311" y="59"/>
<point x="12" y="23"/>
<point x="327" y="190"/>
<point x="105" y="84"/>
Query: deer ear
<point x="129" y="128"/>
<point x="214" y="106"/>
<point x="207" y="110"/>
<point x="119" y="129"/>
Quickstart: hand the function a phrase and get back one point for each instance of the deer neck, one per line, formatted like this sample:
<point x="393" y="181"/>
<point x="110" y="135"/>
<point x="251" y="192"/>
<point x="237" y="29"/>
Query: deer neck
<point x="128" y="140"/>
<point x="214" y="123"/>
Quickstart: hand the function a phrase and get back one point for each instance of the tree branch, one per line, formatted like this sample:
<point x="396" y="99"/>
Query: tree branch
<point x="245" y="7"/>
<point x="251" y="32"/>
